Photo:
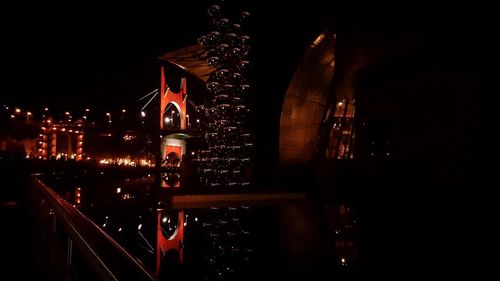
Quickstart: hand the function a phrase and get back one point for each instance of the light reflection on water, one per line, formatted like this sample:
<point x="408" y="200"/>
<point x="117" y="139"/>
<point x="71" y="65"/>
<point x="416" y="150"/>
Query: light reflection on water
<point x="217" y="243"/>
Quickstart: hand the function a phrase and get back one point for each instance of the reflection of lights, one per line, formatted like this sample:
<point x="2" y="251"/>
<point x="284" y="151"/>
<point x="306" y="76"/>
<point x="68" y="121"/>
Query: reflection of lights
<point x="139" y="227"/>
<point x="118" y="190"/>
<point x="164" y="219"/>
<point x="127" y="196"/>
<point x="128" y="137"/>
<point x="318" y="40"/>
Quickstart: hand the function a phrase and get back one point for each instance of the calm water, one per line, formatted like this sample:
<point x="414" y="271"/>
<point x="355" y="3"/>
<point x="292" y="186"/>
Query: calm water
<point x="233" y="242"/>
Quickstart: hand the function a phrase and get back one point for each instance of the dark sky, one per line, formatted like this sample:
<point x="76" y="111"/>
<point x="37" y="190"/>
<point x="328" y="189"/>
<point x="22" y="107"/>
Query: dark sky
<point x="79" y="54"/>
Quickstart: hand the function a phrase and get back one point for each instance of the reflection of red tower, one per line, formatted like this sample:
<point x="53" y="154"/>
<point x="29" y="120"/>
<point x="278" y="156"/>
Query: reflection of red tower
<point x="174" y="242"/>
<point x="167" y="96"/>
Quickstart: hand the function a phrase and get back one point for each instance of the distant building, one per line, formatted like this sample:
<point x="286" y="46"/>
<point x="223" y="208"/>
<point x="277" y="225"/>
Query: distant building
<point x="64" y="140"/>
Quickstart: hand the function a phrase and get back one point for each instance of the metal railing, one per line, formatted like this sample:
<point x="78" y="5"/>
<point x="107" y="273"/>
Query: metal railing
<point x="75" y="247"/>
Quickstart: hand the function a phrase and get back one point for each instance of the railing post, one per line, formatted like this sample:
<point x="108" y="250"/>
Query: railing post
<point x="51" y="233"/>
<point x="54" y="221"/>
<point x="69" y="251"/>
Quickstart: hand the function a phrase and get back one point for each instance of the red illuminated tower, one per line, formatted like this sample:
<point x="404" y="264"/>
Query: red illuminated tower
<point x="167" y="96"/>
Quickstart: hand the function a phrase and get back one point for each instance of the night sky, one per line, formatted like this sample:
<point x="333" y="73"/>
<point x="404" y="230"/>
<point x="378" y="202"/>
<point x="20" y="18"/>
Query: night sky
<point x="99" y="53"/>
<point x="73" y="55"/>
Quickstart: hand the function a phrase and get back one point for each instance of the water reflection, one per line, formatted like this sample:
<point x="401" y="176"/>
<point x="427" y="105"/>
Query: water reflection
<point x="236" y="242"/>
<point x="170" y="241"/>
<point x="171" y="179"/>
<point x="219" y="242"/>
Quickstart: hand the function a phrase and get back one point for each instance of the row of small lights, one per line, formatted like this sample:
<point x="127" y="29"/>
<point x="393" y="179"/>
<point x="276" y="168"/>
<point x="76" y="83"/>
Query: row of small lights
<point x="28" y="113"/>
<point x="18" y="111"/>
<point x="108" y="114"/>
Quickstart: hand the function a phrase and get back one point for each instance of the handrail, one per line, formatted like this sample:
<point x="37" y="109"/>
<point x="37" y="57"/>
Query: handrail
<point x="105" y="257"/>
